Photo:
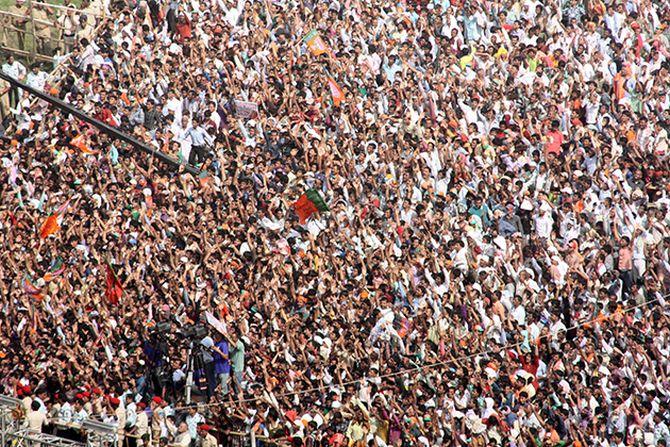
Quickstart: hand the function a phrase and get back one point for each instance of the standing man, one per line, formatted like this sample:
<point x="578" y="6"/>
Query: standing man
<point x="200" y="139"/>
<point x="37" y="78"/>
<point x="36" y="419"/>
<point x="222" y="363"/>
<point x="120" y="416"/>
<point x="19" y="21"/>
<point x="237" y="359"/>
<point x="157" y="419"/>
<point x="142" y="425"/>
<point x="193" y="419"/>
<point x="79" y="415"/>
<point x="131" y="413"/>
<point x="43" y="28"/>
<point x="68" y="27"/>
<point x="626" y="263"/>
<point x="18" y="71"/>
<point x="5" y="88"/>
<point x="183" y="438"/>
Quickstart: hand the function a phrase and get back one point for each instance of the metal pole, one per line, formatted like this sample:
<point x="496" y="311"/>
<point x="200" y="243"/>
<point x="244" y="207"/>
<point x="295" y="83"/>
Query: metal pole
<point x="33" y="50"/>
<point x="3" y="428"/>
<point x="189" y="374"/>
<point x="26" y="53"/>
<point x="65" y="8"/>
<point x="105" y="128"/>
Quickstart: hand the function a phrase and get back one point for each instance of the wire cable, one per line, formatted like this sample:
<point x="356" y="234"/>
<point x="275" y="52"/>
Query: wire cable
<point x="417" y="368"/>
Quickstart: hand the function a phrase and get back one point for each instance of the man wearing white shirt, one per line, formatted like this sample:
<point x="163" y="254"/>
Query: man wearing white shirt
<point x="79" y="414"/>
<point x="173" y="106"/>
<point x="200" y="139"/>
<point x="544" y="223"/>
<point x="37" y="79"/>
<point x="66" y="412"/>
<point x="16" y="70"/>
<point x="592" y="105"/>
<point x="42" y="406"/>
<point x="193" y="419"/>
<point x="131" y="411"/>
<point x="180" y="131"/>
<point x="232" y="14"/>
<point x="213" y="115"/>
<point x="142" y="424"/>
<point x="35" y="419"/>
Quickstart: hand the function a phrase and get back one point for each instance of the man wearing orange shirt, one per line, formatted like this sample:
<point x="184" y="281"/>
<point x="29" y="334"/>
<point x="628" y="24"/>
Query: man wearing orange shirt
<point x="554" y="140"/>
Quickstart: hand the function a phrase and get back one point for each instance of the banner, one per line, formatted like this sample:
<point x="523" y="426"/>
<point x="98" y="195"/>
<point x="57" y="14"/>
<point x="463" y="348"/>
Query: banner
<point x="245" y="109"/>
<point x="216" y="323"/>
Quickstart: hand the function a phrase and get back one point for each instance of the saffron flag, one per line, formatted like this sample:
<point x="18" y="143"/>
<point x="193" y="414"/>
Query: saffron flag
<point x="315" y="43"/>
<point x="309" y="203"/>
<point x="49" y="227"/>
<point x="336" y="91"/>
<point x="80" y="144"/>
<point x="30" y="289"/>
<point x="113" y="289"/>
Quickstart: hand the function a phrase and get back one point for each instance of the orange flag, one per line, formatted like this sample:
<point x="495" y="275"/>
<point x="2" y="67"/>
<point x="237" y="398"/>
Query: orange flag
<point x="309" y="203"/>
<point x="49" y="227"/>
<point x="336" y="91"/>
<point x="315" y="43"/>
<point x="80" y="144"/>
<point x="304" y="208"/>
<point x="125" y="99"/>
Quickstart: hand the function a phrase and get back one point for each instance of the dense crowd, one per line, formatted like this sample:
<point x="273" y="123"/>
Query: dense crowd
<point x="492" y="268"/>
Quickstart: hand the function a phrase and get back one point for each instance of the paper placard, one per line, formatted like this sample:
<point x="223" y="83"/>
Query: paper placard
<point x="245" y="109"/>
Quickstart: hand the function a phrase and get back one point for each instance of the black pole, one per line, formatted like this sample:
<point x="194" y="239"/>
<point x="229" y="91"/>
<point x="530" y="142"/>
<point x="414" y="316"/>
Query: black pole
<point x="105" y="128"/>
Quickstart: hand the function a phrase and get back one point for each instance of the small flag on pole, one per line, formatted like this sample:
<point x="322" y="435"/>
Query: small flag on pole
<point x="49" y="227"/>
<point x="52" y="224"/>
<point x="315" y="43"/>
<point x="114" y="289"/>
<point x="80" y="144"/>
<point x="309" y="203"/>
<point x="336" y="91"/>
<point x="30" y="289"/>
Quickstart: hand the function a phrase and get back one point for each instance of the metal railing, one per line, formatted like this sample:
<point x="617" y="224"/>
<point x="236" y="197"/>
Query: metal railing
<point x="239" y="439"/>
<point x="33" y="55"/>
<point x="97" y="434"/>
<point x="36" y="31"/>
<point x="14" y="433"/>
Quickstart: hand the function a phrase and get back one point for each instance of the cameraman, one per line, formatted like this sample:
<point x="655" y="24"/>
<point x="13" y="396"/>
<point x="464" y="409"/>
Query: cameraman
<point x="221" y="362"/>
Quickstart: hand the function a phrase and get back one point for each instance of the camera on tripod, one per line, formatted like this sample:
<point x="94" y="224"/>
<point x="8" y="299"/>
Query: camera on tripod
<point x="193" y="331"/>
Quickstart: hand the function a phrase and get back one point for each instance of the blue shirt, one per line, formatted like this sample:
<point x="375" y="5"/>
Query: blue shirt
<point x="221" y="365"/>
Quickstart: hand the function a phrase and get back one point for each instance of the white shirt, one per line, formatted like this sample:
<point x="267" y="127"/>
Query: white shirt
<point x="15" y="70"/>
<point x="192" y="423"/>
<point x="37" y="80"/>
<point x="35" y="420"/>
<point x="543" y="225"/>
<point x="65" y="413"/>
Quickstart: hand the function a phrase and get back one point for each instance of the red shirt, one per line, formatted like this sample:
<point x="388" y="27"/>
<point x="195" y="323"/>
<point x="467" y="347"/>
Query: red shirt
<point x="555" y="142"/>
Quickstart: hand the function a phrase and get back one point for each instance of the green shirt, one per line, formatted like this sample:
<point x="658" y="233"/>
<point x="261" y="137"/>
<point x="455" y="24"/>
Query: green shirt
<point x="237" y="357"/>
